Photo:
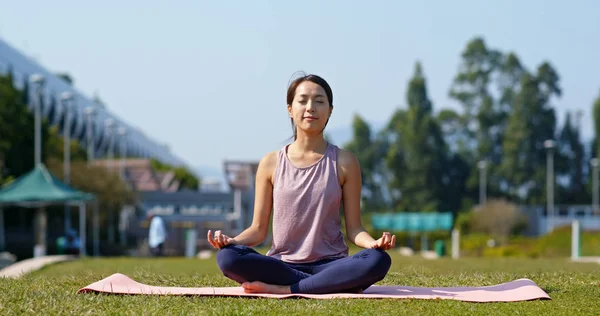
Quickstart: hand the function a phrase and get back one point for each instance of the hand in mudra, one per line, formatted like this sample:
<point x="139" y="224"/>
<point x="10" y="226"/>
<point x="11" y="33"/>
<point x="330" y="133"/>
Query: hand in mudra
<point x="219" y="240"/>
<point x="387" y="241"/>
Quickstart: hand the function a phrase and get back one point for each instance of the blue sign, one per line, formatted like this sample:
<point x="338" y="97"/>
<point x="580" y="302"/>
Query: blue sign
<point x="412" y="221"/>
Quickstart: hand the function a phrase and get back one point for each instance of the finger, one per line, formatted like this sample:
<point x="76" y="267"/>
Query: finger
<point x="222" y="240"/>
<point x="393" y="243"/>
<point x="217" y="238"/>
<point x="375" y="244"/>
<point x="210" y="239"/>
<point x="384" y="238"/>
<point x="389" y="245"/>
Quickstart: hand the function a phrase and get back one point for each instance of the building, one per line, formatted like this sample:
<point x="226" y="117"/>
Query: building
<point x="196" y="212"/>
<point x="539" y="223"/>
<point x="141" y="176"/>
<point x="108" y="134"/>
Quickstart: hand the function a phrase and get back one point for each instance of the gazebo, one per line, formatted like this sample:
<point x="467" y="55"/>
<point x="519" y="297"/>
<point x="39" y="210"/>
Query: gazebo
<point x="39" y="189"/>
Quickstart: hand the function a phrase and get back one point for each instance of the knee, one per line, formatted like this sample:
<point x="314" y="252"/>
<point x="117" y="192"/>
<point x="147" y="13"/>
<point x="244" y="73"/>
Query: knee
<point x="228" y="258"/>
<point x="380" y="261"/>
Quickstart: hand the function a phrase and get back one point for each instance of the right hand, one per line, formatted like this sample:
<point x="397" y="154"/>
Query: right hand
<point x="219" y="240"/>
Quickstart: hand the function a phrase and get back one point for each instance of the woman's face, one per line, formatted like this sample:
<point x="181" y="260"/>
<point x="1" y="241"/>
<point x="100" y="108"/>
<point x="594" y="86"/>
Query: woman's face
<point x="310" y="108"/>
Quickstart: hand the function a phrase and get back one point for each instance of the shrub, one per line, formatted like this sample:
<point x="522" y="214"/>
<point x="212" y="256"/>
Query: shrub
<point x="499" y="219"/>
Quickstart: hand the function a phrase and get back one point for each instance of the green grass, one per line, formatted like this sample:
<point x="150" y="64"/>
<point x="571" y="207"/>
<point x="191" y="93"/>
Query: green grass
<point x="574" y="288"/>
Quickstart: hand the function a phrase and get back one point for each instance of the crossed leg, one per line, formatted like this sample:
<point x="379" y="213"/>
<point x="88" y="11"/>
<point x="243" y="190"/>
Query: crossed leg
<point x="259" y="273"/>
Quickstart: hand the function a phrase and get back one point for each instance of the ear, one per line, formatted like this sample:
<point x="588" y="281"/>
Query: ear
<point x="330" y="110"/>
<point x="289" y="107"/>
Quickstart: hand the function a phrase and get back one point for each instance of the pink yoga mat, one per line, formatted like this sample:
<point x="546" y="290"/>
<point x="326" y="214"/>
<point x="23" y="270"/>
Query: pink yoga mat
<point x="514" y="291"/>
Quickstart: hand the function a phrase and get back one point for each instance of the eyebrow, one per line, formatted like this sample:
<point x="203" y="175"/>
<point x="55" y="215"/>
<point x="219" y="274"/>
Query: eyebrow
<point x="306" y="95"/>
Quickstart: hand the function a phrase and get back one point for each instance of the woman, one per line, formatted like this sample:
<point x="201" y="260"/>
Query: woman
<point x="306" y="183"/>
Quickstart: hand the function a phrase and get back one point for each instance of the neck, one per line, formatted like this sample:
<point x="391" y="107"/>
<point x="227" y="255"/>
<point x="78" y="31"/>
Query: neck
<point x="308" y="143"/>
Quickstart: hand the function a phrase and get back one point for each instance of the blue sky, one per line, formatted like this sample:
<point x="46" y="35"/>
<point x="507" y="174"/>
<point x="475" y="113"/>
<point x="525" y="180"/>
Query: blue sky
<point x="209" y="78"/>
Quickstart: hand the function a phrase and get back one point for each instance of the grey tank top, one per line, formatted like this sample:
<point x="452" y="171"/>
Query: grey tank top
<point x="306" y="210"/>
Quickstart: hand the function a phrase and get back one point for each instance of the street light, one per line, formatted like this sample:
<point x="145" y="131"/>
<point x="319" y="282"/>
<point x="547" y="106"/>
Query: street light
<point x="40" y="217"/>
<point x="482" y="165"/>
<point x="595" y="162"/>
<point x="110" y="124"/>
<point x="550" y="145"/>
<point x="66" y="98"/>
<point x="122" y="131"/>
<point x="38" y="80"/>
<point x="89" y="113"/>
<point x="110" y="129"/>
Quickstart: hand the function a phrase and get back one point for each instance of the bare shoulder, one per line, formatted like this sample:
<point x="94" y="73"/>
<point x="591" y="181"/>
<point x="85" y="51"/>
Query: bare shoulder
<point x="267" y="165"/>
<point x="348" y="165"/>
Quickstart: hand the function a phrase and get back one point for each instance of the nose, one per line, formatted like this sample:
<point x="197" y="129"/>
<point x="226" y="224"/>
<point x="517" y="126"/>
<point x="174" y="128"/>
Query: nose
<point x="309" y="106"/>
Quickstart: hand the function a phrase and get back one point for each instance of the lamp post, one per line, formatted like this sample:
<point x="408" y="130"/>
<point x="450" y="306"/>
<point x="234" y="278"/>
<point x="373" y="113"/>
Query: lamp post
<point x="595" y="162"/>
<point x="482" y="166"/>
<point x="66" y="98"/>
<point x="110" y="152"/>
<point x="38" y="80"/>
<point x="40" y="217"/>
<point x="549" y="144"/>
<point x="122" y="131"/>
<point x="89" y="114"/>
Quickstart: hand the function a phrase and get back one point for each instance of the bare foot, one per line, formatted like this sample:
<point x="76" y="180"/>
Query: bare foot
<point x="260" y="287"/>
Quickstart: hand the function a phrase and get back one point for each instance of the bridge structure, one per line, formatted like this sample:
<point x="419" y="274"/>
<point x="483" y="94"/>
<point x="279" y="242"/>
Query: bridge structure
<point x="90" y="122"/>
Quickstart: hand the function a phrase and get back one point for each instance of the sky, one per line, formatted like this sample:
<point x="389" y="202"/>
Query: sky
<point x="209" y="78"/>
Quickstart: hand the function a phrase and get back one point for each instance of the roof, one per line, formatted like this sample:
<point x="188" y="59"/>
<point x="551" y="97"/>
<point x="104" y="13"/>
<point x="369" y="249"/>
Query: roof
<point x="142" y="177"/>
<point x="39" y="186"/>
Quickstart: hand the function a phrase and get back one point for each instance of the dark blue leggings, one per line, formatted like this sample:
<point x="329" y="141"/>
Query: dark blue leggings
<point x="350" y="274"/>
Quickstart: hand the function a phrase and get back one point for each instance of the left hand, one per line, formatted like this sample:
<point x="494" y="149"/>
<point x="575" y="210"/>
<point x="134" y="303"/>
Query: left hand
<point x="387" y="241"/>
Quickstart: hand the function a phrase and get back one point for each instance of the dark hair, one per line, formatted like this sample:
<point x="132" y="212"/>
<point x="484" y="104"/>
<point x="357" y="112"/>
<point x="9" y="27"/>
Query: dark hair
<point x="291" y="92"/>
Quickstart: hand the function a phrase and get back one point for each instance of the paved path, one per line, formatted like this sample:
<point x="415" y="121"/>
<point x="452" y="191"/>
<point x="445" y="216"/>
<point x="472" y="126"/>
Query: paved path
<point x="588" y="259"/>
<point x="20" y="268"/>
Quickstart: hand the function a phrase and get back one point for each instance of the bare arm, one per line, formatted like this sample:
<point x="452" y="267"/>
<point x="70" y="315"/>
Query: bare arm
<point x="351" y="182"/>
<point x="263" y="203"/>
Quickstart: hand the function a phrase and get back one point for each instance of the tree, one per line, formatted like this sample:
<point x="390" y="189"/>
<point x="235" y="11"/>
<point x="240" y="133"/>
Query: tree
<point x="570" y="163"/>
<point x="187" y="180"/>
<point x="532" y="122"/>
<point x="478" y="131"/>
<point x="367" y="151"/>
<point x="416" y="153"/>
<point x="596" y="117"/>
<point x="471" y="88"/>
<point x="16" y="143"/>
<point x="111" y="192"/>
<point x="17" y="130"/>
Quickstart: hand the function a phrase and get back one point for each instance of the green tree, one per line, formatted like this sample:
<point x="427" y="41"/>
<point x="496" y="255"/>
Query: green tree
<point x="111" y="192"/>
<point x="570" y="165"/>
<point x="596" y="117"/>
<point x="187" y="180"/>
<point x="368" y="152"/>
<point x="532" y="122"/>
<point x="484" y="86"/>
<point x="416" y="154"/>
<point x="471" y="88"/>
<point x="16" y="143"/>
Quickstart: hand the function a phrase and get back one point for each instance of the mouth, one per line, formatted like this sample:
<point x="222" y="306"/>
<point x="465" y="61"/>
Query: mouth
<point x="310" y="118"/>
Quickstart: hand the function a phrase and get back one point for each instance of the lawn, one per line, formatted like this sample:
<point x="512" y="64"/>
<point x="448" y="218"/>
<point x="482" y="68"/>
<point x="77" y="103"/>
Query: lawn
<point x="574" y="288"/>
